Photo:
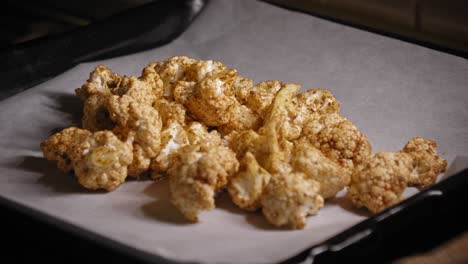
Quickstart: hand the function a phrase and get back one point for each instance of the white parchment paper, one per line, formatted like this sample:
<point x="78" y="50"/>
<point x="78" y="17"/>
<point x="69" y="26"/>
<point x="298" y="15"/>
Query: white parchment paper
<point x="390" y="89"/>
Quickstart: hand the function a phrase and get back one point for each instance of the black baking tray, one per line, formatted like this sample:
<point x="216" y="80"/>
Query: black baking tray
<point x="417" y="224"/>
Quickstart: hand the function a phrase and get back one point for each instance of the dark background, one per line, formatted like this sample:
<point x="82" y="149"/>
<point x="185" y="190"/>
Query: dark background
<point x="24" y="20"/>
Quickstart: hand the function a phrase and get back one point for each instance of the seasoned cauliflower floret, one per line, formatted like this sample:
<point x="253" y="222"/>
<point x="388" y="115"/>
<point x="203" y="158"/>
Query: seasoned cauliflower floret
<point x="209" y="100"/>
<point x="171" y="112"/>
<point x="242" y="118"/>
<point x="426" y="164"/>
<point x="260" y="97"/>
<point x="143" y="130"/>
<point x="271" y="150"/>
<point x="96" y="116"/>
<point x="171" y="71"/>
<point x="99" y="103"/>
<point x="172" y="138"/>
<point x="59" y="146"/>
<point x="100" y="161"/>
<point x="310" y="161"/>
<point x="138" y="90"/>
<point x="152" y="78"/>
<point x="200" y="69"/>
<point x="181" y="68"/>
<point x="337" y="138"/>
<point x="283" y="111"/>
<point x="379" y="182"/>
<point x="100" y="81"/>
<point x="290" y="198"/>
<point x="198" y="133"/>
<point x="198" y="172"/>
<point x="242" y="87"/>
<point x="247" y="185"/>
<point x="316" y="101"/>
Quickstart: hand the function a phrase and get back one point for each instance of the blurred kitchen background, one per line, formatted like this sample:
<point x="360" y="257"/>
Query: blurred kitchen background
<point x="434" y="23"/>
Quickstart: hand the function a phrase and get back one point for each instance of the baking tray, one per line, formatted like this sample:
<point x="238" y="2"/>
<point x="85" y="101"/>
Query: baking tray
<point x="436" y="209"/>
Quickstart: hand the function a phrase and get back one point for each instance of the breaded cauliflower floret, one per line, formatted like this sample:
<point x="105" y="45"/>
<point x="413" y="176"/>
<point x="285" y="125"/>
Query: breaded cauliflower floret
<point x="271" y="151"/>
<point x="337" y="138"/>
<point x="316" y="101"/>
<point x="426" y="164"/>
<point x="241" y="118"/>
<point x="171" y="112"/>
<point x="201" y="69"/>
<point x="171" y="71"/>
<point x="99" y="105"/>
<point x="172" y="138"/>
<point x="245" y="141"/>
<point x="100" y="161"/>
<point x="379" y="182"/>
<point x="143" y="129"/>
<point x="198" y="133"/>
<point x="247" y="185"/>
<point x="242" y="88"/>
<point x="181" y="68"/>
<point x="290" y="198"/>
<point x="199" y="171"/>
<point x="58" y="146"/>
<point x="310" y="161"/>
<point x="283" y="111"/>
<point x="262" y="95"/>
<point x="152" y="78"/>
<point x="209" y="100"/>
<point x="138" y="89"/>
<point x="100" y="81"/>
<point x="96" y="116"/>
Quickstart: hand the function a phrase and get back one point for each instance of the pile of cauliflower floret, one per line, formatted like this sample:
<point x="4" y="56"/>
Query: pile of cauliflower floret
<point x="209" y="129"/>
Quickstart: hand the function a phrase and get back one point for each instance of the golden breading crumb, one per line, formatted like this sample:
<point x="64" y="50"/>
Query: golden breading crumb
<point x="337" y="138"/>
<point x="143" y="130"/>
<point x="96" y="116"/>
<point x="58" y="146"/>
<point x="426" y="164"/>
<point x="290" y="198"/>
<point x="198" y="172"/>
<point x="100" y="81"/>
<point x="171" y="112"/>
<point x="100" y="161"/>
<point x="247" y="185"/>
<point x="172" y="138"/>
<point x="310" y="161"/>
<point x="379" y="181"/>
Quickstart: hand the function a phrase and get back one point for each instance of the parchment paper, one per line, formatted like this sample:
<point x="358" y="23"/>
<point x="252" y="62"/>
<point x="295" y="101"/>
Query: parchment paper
<point x="390" y="89"/>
